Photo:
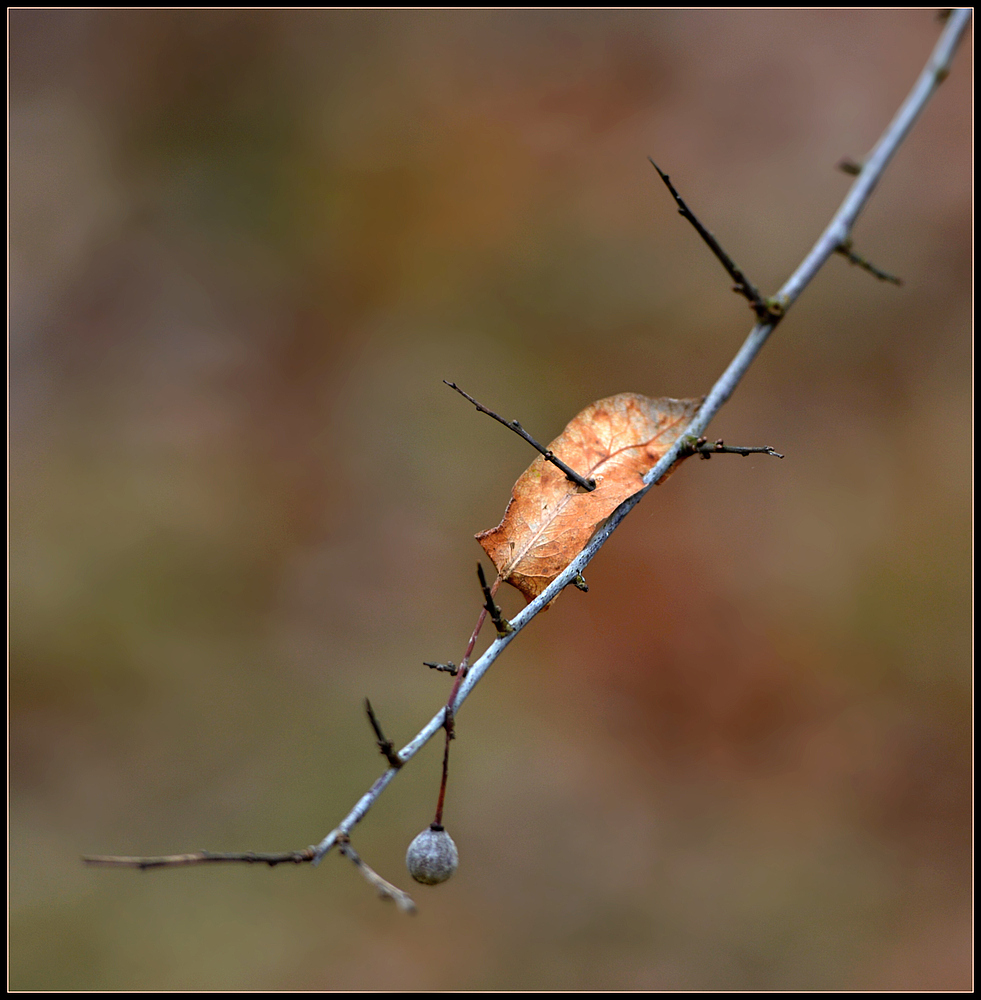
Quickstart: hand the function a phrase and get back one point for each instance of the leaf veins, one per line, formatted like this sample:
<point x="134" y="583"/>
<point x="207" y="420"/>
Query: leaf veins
<point x="549" y="520"/>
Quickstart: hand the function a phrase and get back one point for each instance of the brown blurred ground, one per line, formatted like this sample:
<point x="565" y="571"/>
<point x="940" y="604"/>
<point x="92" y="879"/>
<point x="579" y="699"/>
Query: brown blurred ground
<point x="245" y="250"/>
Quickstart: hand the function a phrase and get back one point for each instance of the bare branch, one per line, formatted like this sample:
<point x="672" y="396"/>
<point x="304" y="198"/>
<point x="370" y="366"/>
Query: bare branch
<point x="849" y="254"/>
<point x="384" y="888"/>
<point x="386" y="746"/>
<point x="836" y="235"/>
<point x="587" y="484"/>
<point x="743" y="286"/>
<point x="448" y="668"/>
<point x="707" y="449"/>
<point x="500" y="623"/>
<point x="874" y="165"/>
<point x="837" y="231"/>
<point x="200" y="858"/>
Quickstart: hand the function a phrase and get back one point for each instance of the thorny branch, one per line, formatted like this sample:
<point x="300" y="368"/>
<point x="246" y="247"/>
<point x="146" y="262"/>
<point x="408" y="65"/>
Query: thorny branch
<point x="834" y="239"/>
<point x="490" y="607"/>
<point x="707" y="449"/>
<point x="849" y="254"/>
<point x="587" y="484"/>
<point x="200" y="858"/>
<point x="700" y="447"/>
<point x="744" y="287"/>
<point x="384" y="888"/>
<point x="447" y="668"/>
<point x="386" y="746"/>
<point x="836" y="233"/>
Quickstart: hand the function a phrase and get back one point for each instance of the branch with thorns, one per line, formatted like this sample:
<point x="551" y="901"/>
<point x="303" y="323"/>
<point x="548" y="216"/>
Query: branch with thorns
<point x="836" y="238"/>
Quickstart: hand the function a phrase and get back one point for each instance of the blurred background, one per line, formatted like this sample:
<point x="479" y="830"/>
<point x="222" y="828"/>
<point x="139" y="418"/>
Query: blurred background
<point x="245" y="249"/>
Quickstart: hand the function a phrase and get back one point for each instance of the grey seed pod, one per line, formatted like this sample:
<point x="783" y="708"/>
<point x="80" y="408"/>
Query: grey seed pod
<point x="432" y="857"/>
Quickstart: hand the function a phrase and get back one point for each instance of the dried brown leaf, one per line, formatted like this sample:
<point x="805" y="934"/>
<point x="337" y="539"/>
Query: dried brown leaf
<point x="549" y="519"/>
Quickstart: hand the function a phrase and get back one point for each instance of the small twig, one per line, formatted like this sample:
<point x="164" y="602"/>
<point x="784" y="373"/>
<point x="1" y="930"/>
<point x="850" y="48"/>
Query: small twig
<point x="587" y="484"/>
<point x="384" y="888"/>
<point x="472" y="641"/>
<point x="707" y="449"/>
<point x="449" y="720"/>
<point x="500" y="623"/>
<point x="766" y="311"/>
<point x="461" y="671"/>
<point x="464" y="667"/>
<point x="849" y="254"/>
<point x="386" y="746"/>
<point x="438" y="820"/>
<point x="200" y="858"/>
<point x="447" y="668"/>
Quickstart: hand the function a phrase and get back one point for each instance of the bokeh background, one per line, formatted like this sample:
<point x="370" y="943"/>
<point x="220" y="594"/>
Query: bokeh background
<point x="245" y="249"/>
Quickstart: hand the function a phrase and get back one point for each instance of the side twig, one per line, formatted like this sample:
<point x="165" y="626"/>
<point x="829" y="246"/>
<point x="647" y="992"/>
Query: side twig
<point x="744" y="287"/>
<point x="707" y="449"/>
<point x="386" y="746"/>
<point x="447" y="668"/>
<point x="857" y="259"/>
<point x="384" y="888"/>
<point x="500" y="623"/>
<point x="201" y="858"/>
<point x="587" y="484"/>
